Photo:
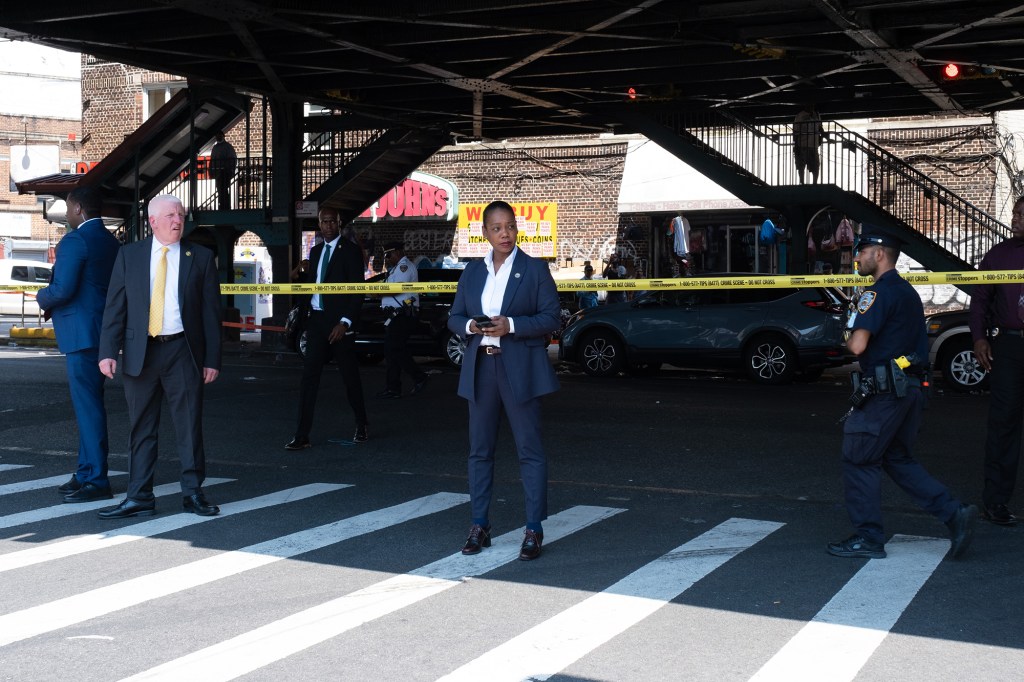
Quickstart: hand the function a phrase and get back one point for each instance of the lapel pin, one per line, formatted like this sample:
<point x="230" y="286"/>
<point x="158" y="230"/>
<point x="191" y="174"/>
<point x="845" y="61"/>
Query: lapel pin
<point x="517" y="275"/>
<point x="188" y="253"/>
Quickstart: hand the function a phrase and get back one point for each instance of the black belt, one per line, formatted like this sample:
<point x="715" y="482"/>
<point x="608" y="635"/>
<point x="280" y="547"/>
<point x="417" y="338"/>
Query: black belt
<point x="998" y="331"/>
<point x="490" y="350"/>
<point x="166" y="337"/>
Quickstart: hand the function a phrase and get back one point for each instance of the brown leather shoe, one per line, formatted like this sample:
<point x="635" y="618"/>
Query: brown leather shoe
<point x="531" y="545"/>
<point x="479" y="537"/>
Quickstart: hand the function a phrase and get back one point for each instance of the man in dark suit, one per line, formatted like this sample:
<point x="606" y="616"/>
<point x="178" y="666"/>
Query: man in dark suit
<point x="506" y="304"/>
<point x="163" y="310"/>
<point x="330" y="330"/>
<point x="74" y="301"/>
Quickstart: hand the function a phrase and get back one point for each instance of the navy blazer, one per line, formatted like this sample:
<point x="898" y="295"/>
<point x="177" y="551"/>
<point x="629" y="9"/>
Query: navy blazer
<point x="126" y="318"/>
<point x="531" y="300"/>
<point x="78" y="292"/>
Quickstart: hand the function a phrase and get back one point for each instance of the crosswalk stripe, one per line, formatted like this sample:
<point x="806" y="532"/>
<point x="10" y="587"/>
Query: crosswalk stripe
<point x="78" y="608"/>
<point x="274" y="641"/>
<point x="11" y="467"/>
<point x="542" y="651"/>
<point x="166" y="524"/>
<point x="65" y="509"/>
<point x="36" y="484"/>
<point x="837" y="643"/>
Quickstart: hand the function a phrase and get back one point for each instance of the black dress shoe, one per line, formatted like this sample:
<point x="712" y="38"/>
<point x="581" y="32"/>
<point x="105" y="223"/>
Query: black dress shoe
<point x="389" y="395"/>
<point x="961" y="529"/>
<point x="856" y="547"/>
<point x="479" y="537"/>
<point x="362" y="434"/>
<point x="420" y="385"/>
<point x="531" y="545"/>
<point x="127" y="509"/>
<point x="197" y="504"/>
<point x="999" y="515"/>
<point x="71" y="486"/>
<point x="298" y="444"/>
<point x="89" y="492"/>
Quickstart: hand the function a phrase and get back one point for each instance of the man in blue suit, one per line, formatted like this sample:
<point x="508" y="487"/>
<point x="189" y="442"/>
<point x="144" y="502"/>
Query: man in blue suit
<point x="74" y="301"/>
<point x="506" y="305"/>
<point x="163" y="311"/>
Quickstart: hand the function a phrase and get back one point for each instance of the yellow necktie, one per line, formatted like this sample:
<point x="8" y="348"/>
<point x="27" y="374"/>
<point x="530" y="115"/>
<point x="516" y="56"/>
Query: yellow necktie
<point x="156" y="303"/>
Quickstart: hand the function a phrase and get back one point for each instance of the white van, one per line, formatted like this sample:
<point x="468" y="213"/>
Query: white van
<point x="14" y="271"/>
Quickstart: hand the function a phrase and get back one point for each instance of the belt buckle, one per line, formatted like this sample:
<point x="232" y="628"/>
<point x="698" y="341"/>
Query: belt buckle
<point x="492" y="350"/>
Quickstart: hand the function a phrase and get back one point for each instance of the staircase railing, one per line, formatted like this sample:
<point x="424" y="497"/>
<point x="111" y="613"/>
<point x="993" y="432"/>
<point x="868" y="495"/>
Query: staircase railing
<point x="854" y="164"/>
<point x="249" y="186"/>
<point x="325" y="153"/>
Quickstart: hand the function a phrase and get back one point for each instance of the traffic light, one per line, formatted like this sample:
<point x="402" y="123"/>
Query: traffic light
<point x="951" y="71"/>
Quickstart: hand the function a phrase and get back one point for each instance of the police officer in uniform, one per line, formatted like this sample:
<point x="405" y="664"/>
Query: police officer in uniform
<point x="880" y="430"/>
<point x="400" y="317"/>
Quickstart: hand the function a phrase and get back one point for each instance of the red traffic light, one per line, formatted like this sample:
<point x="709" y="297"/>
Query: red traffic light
<point x="631" y="93"/>
<point x="951" y="71"/>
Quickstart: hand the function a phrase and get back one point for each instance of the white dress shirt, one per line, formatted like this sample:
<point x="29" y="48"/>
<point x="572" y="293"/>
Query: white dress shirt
<point x="172" y="310"/>
<point x="494" y="293"/>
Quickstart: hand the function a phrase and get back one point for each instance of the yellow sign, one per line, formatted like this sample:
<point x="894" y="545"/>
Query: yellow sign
<point x="538" y="230"/>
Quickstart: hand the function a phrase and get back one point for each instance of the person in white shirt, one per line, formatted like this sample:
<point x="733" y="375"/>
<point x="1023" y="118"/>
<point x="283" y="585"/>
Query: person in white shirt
<point x="400" y="311"/>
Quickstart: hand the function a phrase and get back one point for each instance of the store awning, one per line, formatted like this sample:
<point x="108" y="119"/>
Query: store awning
<point x="654" y="180"/>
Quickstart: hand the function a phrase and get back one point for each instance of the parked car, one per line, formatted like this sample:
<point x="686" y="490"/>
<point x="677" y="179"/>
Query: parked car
<point x="951" y="351"/>
<point x="771" y="334"/>
<point x="16" y="272"/>
<point x="431" y="337"/>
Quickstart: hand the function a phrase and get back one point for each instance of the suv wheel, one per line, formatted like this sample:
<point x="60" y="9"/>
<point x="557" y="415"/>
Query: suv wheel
<point x="960" y="368"/>
<point x="300" y="344"/>
<point x="454" y="349"/>
<point x="770" y="359"/>
<point x="601" y="354"/>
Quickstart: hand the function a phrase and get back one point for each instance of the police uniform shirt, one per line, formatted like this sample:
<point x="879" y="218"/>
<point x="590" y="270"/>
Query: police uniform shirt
<point x="404" y="271"/>
<point x="892" y="312"/>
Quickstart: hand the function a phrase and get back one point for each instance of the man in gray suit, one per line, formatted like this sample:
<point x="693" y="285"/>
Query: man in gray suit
<point x="506" y="304"/>
<point x="74" y="301"/>
<point x="163" y="310"/>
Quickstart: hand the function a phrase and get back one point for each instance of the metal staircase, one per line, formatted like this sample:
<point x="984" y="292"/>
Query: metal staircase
<point x="350" y="169"/>
<point x="943" y="231"/>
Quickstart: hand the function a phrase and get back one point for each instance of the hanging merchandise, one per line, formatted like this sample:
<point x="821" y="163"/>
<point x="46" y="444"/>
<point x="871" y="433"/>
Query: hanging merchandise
<point x="812" y="249"/>
<point x="769" y="234"/>
<point x="844" y="233"/>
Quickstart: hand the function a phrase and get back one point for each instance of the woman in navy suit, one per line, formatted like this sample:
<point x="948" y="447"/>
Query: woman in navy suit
<point x="506" y="305"/>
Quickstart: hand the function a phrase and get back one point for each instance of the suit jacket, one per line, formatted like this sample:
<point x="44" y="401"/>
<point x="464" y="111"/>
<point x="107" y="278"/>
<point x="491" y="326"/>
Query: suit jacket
<point x="346" y="265"/>
<point x="531" y="300"/>
<point x="76" y="296"/>
<point x="126" y="318"/>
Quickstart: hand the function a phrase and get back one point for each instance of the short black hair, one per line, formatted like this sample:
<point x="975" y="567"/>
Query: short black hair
<point x="497" y="206"/>
<point x="89" y="199"/>
<point x="394" y="246"/>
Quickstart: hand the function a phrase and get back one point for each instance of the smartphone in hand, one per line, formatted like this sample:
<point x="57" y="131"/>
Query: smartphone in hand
<point x="482" y="321"/>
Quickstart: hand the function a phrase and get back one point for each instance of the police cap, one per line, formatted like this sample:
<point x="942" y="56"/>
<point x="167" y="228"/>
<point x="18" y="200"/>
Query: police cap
<point x="394" y="246"/>
<point x="872" y="235"/>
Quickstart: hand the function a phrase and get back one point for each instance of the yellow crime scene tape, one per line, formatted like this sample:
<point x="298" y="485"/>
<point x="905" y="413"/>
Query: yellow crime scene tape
<point x="762" y="281"/>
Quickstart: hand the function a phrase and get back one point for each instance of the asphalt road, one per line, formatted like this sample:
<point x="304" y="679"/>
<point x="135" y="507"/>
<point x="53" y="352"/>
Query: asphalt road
<point x="690" y="513"/>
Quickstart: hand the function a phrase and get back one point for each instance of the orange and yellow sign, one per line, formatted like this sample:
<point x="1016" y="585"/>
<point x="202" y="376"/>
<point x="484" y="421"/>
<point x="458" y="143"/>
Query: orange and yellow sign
<point x="538" y="230"/>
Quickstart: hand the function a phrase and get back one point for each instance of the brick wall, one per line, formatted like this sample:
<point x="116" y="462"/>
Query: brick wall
<point x="14" y="130"/>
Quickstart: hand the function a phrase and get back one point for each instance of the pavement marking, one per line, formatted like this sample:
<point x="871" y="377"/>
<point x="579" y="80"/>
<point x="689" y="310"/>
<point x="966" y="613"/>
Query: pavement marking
<point x="10" y="467"/>
<point x="65" y="509"/>
<point x="79" y="608"/>
<point x="841" y="638"/>
<point x="36" y="484"/>
<point x="166" y="524"/>
<point x="252" y="650"/>
<point x="551" y="646"/>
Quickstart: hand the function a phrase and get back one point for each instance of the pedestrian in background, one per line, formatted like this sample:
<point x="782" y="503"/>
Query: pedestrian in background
<point x="587" y="297"/>
<point x="401" y="315"/>
<point x="808" y="134"/>
<point x="223" y="162"/>
<point x="880" y="431"/>
<point x="998" y="309"/>
<point x="74" y="300"/>
<point x="330" y="329"/>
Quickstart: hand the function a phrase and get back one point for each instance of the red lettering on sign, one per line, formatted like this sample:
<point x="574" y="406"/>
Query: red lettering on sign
<point x="412" y="198"/>
<point x="427" y="199"/>
<point x="393" y="202"/>
<point x="473" y="213"/>
<point x="441" y="202"/>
